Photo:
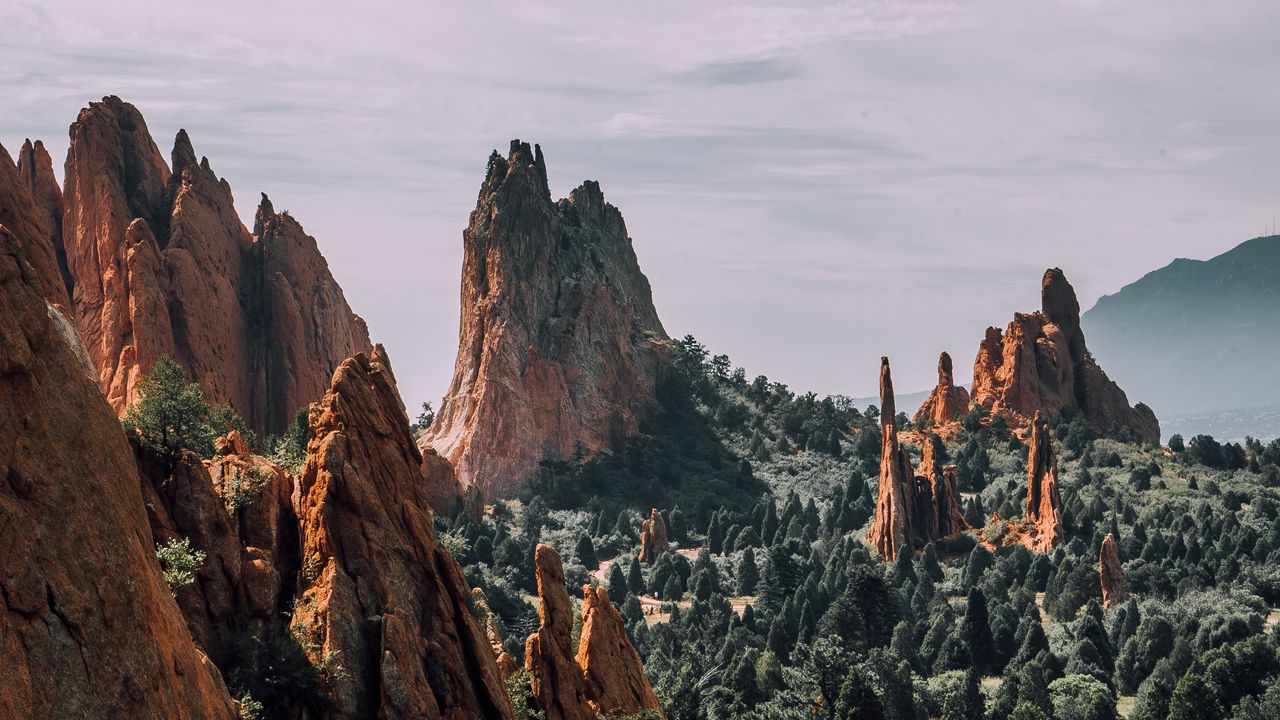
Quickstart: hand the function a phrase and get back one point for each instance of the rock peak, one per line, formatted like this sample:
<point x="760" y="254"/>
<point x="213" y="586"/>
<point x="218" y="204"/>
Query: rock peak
<point x="888" y="409"/>
<point x="1058" y="299"/>
<point x="183" y="155"/>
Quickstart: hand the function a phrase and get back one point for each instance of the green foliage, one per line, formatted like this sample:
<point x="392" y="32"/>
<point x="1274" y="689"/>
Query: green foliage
<point x="171" y="415"/>
<point x="180" y="562"/>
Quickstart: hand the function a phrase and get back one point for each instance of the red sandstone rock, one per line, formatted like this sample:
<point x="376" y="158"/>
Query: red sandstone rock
<point x="1110" y="573"/>
<point x="1044" y="506"/>
<point x="560" y="345"/>
<point x="615" y="680"/>
<point x="947" y="402"/>
<point x="653" y="537"/>
<point x="892" y="530"/>
<point x="379" y="597"/>
<point x="605" y="677"/>
<point x="22" y="215"/>
<point x="1040" y="364"/>
<point x="88" y="627"/>
<point x="160" y="264"/>
<point x="937" y="484"/>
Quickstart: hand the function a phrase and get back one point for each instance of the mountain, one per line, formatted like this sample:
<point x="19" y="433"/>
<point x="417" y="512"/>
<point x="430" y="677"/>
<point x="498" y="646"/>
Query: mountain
<point x="1196" y="336"/>
<point x="560" y="347"/>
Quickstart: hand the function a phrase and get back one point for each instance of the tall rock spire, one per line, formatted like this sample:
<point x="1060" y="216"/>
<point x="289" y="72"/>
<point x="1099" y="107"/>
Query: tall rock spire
<point x="947" y="402"/>
<point x="1044" y="506"/>
<point x="892" y="531"/>
<point x="560" y="347"/>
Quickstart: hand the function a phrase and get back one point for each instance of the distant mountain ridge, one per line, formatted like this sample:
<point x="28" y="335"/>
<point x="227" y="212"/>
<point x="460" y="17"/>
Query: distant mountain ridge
<point x="1196" y="336"/>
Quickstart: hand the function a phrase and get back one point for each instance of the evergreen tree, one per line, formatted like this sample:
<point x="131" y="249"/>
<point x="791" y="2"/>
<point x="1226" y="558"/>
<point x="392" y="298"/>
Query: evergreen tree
<point x="1192" y="699"/>
<point x="965" y="702"/>
<point x="715" y="535"/>
<point x="617" y="584"/>
<point x="585" y="552"/>
<point x="748" y="574"/>
<point x="635" y="577"/>
<point x="857" y="699"/>
<point x="929" y="564"/>
<point x="975" y="630"/>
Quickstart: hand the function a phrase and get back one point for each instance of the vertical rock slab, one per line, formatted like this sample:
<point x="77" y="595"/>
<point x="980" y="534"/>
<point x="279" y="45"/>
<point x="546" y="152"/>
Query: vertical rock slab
<point x="892" y="531"/>
<point x="1110" y="573"/>
<point x="1040" y="364"/>
<point x="382" y="608"/>
<point x="1044" y="506"/>
<point x="946" y="403"/>
<point x="615" y="681"/>
<point x="559" y="347"/>
<point x="554" y="675"/>
<point x="88" y="627"/>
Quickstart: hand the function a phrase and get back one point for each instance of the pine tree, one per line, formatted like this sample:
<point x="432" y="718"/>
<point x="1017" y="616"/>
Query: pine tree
<point x="975" y="629"/>
<point x="966" y="702"/>
<point x="857" y="699"/>
<point x="585" y="552"/>
<point x="715" y="535"/>
<point x="617" y="584"/>
<point x="1193" y="699"/>
<point x="748" y="573"/>
<point x="635" y="577"/>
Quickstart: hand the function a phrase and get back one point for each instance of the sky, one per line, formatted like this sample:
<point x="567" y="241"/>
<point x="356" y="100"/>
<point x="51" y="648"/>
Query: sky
<point x="808" y="185"/>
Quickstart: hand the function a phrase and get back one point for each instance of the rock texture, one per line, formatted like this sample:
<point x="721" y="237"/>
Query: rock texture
<point x="88" y="627"/>
<point x="1040" y="364"/>
<point x="937" y="482"/>
<point x="892" y="530"/>
<point x="560" y="347"/>
<point x="381" y="603"/>
<point x="1110" y="573"/>
<point x="160" y="264"/>
<point x="614" y="675"/>
<point x="22" y="216"/>
<point x="605" y="678"/>
<point x="1044" y="506"/>
<point x="947" y="402"/>
<point x="653" y="537"/>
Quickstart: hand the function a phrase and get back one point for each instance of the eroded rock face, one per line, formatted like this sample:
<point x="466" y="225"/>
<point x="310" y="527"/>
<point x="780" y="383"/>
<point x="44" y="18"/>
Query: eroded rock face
<point x="937" y="483"/>
<point x="605" y="678"/>
<point x="160" y="264"/>
<point x="379" y="597"/>
<point x="653" y="537"/>
<point x="947" y="403"/>
<point x="615" y="680"/>
<point x="1110" y="573"/>
<point x="88" y="627"/>
<point x="1040" y="364"/>
<point x="560" y="346"/>
<point x="892" y="531"/>
<point x="22" y="216"/>
<point x="1044" y="506"/>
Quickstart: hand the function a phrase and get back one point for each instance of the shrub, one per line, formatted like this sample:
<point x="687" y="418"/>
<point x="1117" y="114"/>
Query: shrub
<point x="180" y="562"/>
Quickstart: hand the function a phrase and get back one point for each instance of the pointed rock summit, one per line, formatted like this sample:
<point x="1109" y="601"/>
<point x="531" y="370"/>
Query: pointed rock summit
<point x="27" y="223"/>
<point x="947" y="402"/>
<point x="379" y="596"/>
<point x="89" y="626"/>
<point x="1040" y="364"/>
<point x="892" y="531"/>
<point x="560" y="347"/>
<point x="160" y="264"/>
<point x="605" y="678"/>
<point x="1110" y="573"/>
<point x="1044" y="506"/>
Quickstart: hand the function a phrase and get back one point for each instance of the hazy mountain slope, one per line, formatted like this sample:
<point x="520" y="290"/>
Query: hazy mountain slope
<point x="1196" y="335"/>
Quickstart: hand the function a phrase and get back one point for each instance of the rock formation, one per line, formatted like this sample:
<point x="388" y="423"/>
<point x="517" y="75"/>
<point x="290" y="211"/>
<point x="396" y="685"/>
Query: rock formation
<point x="938" y="483"/>
<point x="1040" y="364"/>
<point x="653" y="537"/>
<point x="36" y="168"/>
<point x="947" y="402"/>
<point x="88" y="627"/>
<point x="892" y="530"/>
<point x="615" y="679"/>
<point x="1044" y="506"/>
<point x="560" y="347"/>
<point x="380" y="599"/>
<point x="606" y="677"/>
<point x="23" y="217"/>
<point x="160" y="264"/>
<point x="1110" y="573"/>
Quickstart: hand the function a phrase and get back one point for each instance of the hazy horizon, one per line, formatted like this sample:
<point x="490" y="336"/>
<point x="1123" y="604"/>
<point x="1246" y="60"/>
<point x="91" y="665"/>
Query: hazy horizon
<point x="880" y="179"/>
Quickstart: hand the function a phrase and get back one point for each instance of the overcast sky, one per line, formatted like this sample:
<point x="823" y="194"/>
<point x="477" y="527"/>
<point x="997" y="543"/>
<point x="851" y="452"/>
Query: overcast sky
<point x="808" y="186"/>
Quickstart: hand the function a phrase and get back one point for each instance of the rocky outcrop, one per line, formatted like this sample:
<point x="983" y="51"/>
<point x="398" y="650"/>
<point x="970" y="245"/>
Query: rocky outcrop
<point x="1110" y="573"/>
<point x="381" y="604"/>
<point x="947" y="403"/>
<point x="605" y="678"/>
<point x="937" y="483"/>
<point x="560" y="347"/>
<point x="88" y="627"/>
<point x="22" y="217"/>
<point x="653" y="537"/>
<point x="1044" y="506"/>
<point x="892" y="531"/>
<point x="615" y="680"/>
<point x="160" y="264"/>
<point x="1040" y="364"/>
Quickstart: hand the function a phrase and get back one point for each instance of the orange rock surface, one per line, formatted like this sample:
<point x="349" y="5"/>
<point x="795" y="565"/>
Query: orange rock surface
<point x="560" y="346"/>
<point x="946" y="403"/>
<point x="892" y="531"/>
<point x="1044" y="506"/>
<point x="1110" y="573"/>
<point x="653" y="537"/>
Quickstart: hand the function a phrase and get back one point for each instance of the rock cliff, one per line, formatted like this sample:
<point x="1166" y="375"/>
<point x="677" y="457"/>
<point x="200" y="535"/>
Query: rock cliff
<point x="381" y="603"/>
<point x="88" y="627"/>
<point x="559" y="345"/>
<point x="160" y="264"/>
<point x="605" y="678"/>
<point x="22" y="215"/>
<point x="1040" y="364"/>
<point x="946" y="403"/>
<point x="1110" y="573"/>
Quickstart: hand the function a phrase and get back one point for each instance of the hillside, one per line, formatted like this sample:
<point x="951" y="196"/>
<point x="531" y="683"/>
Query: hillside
<point x="1196" y="336"/>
